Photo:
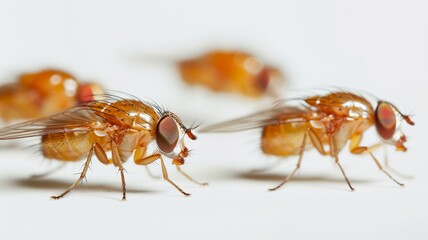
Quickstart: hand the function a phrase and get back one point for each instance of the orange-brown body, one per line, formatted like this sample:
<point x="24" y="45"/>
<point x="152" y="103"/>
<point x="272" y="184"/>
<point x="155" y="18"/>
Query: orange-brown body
<point x="72" y="146"/>
<point x="342" y="115"/>
<point x="43" y="93"/>
<point x="231" y="71"/>
<point x="325" y="123"/>
<point x="123" y="122"/>
<point x="117" y="125"/>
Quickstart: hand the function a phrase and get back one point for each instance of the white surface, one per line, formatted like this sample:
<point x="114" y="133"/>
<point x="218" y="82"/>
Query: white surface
<point x="376" y="46"/>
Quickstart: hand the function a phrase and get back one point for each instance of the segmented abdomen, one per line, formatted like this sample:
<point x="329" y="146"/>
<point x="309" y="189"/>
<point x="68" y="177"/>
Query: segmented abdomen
<point x="284" y="139"/>
<point x="71" y="146"/>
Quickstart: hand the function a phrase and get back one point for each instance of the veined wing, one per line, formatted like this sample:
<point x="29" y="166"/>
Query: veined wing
<point x="75" y="119"/>
<point x="275" y="116"/>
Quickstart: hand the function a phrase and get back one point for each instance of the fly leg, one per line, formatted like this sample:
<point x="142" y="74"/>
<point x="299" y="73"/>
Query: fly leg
<point x="140" y="152"/>
<point x="152" y="175"/>
<point x="190" y="178"/>
<point x="82" y="174"/>
<point x="356" y="149"/>
<point x="118" y="162"/>
<point x="45" y="174"/>
<point x="302" y="149"/>
<point x="165" y="176"/>
<point x="386" y="165"/>
<point x="333" y="150"/>
<point x="154" y="157"/>
<point x="384" y="171"/>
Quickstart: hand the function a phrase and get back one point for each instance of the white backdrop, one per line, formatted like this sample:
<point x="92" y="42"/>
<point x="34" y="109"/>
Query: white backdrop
<point x="375" y="46"/>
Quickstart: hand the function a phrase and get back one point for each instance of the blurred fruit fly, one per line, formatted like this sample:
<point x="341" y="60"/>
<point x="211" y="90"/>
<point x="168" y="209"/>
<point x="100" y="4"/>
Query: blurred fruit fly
<point x="43" y="93"/>
<point x="325" y="123"/>
<point x="122" y="126"/>
<point x="232" y="71"/>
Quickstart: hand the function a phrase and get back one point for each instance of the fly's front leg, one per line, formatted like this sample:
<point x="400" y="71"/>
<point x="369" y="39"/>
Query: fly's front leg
<point x="384" y="171"/>
<point x="190" y="178"/>
<point x="154" y="157"/>
<point x="386" y="165"/>
<point x="356" y="149"/>
<point x="139" y="153"/>
<point x="165" y="176"/>
<point x="118" y="162"/>
<point x="82" y="174"/>
<point x="302" y="149"/>
<point x="152" y="175"/>
<point x="334" y="152"/>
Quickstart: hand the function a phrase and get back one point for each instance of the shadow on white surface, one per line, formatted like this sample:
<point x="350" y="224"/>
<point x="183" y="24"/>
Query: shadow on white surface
<point x="61" y="185"/>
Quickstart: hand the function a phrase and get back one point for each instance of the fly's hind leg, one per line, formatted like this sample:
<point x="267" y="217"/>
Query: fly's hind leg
<point x="302" y="149"/>
<point x="356" y="149"/>
<point x="149" y="159"/>
<point x="82" y="174"/>
<point x="334" y="152"/>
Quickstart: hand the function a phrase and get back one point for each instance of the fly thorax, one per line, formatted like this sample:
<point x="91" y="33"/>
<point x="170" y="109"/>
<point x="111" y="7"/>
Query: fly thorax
<point x="130" y="140"/>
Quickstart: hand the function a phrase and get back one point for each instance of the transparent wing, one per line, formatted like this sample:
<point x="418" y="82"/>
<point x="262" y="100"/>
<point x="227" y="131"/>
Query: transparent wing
<point x="76" y="119"/>
<point x="274" y="116"/>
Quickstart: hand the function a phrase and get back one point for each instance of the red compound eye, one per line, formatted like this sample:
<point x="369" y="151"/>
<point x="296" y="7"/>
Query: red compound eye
<point x="88" y="92"/>
<point x="167" y="134"/>
<point x="263" y="80"/>
<point x="385" y="120"/>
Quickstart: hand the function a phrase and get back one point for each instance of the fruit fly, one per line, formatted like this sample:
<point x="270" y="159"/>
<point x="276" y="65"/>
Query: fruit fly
<point x="43" y="93"/>
<point x="326" y="123"/>
<point x="121" y="126"/>
<point x="231" y="71"/>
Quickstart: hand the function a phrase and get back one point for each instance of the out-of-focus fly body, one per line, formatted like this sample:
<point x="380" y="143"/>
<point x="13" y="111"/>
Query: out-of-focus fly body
<point x="232" y="71"/>
<point x="43" y="93"/>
